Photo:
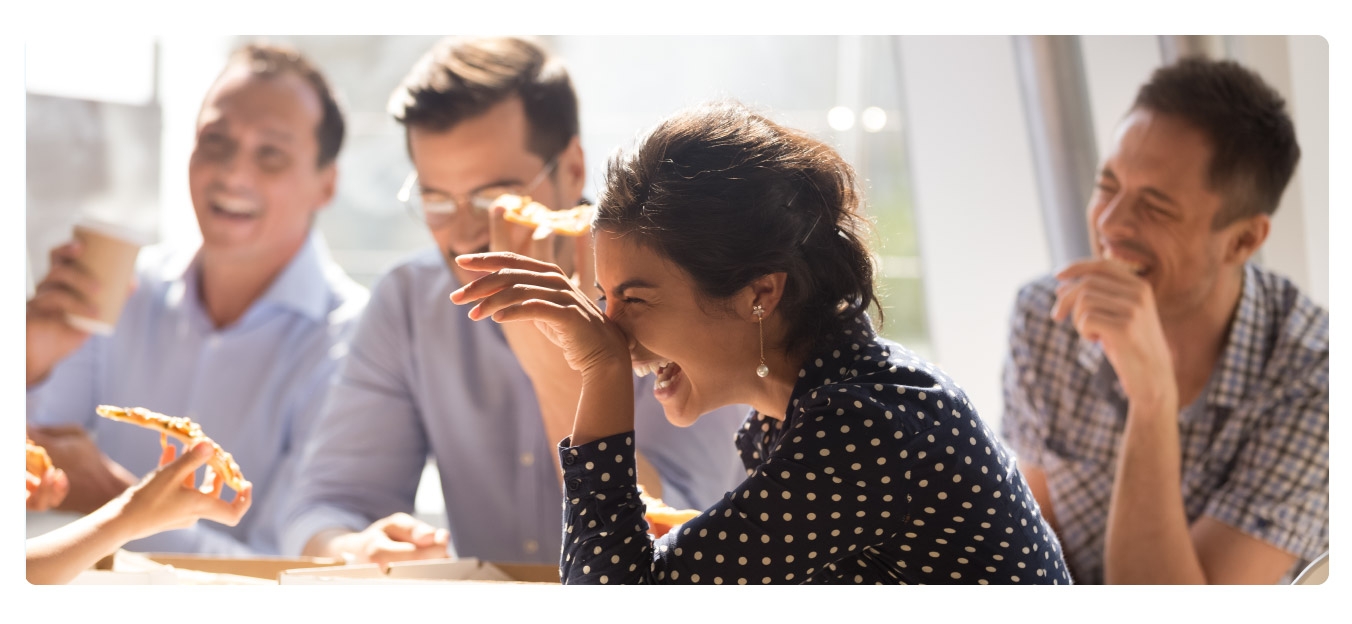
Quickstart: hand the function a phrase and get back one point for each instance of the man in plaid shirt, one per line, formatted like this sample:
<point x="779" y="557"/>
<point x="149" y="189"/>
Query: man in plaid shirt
<point x="1168" y="399"/>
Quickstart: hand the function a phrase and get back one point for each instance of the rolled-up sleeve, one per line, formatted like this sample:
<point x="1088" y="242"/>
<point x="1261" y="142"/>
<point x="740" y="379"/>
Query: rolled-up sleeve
<point x="1278" y="490"/>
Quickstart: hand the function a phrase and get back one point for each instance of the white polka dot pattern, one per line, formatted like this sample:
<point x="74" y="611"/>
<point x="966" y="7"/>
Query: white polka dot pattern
<point x="881" y="473"/>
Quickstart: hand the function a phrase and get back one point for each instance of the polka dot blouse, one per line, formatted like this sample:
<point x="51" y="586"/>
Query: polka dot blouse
<point x="880" y="473"/>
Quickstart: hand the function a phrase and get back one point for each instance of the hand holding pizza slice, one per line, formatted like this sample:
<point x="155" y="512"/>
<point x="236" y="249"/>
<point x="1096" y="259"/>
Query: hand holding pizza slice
<point x="221" y="468"/>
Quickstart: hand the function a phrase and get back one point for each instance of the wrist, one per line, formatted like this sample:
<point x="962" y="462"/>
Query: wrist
<point x="608" y="372"/>
<point x="115" y="520"/>
<point x="1163" y="403"/>
<point x="606" y="406"/>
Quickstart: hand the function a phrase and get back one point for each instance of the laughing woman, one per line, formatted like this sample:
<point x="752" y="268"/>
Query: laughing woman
<point x="730" y="252"/>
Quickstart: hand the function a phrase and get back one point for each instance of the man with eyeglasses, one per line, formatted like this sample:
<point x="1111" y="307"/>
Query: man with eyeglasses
<point x="489" y="403"/>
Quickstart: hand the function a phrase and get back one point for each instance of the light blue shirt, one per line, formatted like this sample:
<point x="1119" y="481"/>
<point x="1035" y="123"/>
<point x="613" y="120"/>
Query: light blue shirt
<point x="255" y="387"/>
<point x="421" y="378"/>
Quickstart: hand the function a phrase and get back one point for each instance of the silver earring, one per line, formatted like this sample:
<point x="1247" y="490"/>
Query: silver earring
<point x="762" y="370"/>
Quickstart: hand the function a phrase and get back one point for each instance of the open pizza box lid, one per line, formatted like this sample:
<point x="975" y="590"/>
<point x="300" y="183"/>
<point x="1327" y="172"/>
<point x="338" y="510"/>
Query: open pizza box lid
<point x="440" y="571"/>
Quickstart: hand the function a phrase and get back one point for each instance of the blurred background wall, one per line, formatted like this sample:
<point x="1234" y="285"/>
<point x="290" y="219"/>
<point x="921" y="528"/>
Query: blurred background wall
<point x="972" y="150"/>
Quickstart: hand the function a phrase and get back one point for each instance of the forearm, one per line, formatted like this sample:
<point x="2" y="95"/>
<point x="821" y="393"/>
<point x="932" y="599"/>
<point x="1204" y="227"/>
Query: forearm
<point x="60" y="555"/>
<point x="606" y="406"/>
<point x="201" y="538"/>
<point x="1148" y="539"/>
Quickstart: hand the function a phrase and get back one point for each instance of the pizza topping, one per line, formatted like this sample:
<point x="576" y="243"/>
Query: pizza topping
<point x="574" y="221"/>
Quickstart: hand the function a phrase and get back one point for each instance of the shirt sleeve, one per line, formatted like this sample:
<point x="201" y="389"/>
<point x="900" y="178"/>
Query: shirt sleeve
<point x="1025" y="424"/>
<point x="66" y="396"/>
<point x="817" y="499"/>
<point x="366" y="447"/>
<point x="1278" y="490"/>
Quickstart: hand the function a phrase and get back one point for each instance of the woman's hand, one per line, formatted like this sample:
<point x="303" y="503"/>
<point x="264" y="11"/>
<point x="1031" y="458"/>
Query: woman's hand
<point x="166" y="498"/>
<point x="519" y="288"/>
<point x="522" y="289"/>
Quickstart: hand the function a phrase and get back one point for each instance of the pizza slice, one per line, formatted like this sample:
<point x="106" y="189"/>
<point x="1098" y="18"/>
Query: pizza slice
<point x="574" y="221"/>
<point x="662" y="518"/>
<point x="183" y="430"/>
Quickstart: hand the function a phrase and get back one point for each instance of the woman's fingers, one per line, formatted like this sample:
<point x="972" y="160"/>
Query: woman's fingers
<point x="182" y="469"/>
<point x="494" y="261"/>
<point x="507" y="278"/>
<point x="521" y="293"/>
<point x="230" y="513"/>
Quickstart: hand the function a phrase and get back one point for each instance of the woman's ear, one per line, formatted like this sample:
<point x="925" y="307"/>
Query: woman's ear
<point x="765" y="291"/>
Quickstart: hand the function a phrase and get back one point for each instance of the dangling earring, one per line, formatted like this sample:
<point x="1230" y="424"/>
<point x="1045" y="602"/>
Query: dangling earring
<point x="761" y="370"/>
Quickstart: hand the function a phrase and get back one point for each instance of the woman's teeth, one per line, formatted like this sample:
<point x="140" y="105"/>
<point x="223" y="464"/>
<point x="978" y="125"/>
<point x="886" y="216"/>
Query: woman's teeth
<point x="663" y="369"/>
<point x="643" y="370"/>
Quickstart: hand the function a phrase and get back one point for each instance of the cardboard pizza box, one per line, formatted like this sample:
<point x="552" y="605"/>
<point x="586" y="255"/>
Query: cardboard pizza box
<point x="269" y="568"/>
<point x="467" y="570"/>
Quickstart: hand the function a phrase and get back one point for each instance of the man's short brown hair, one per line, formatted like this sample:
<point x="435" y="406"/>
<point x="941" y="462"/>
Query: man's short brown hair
<point x="1254" y="148"/>
<point x="460" y="78"/>
<point x="269" y="60"/>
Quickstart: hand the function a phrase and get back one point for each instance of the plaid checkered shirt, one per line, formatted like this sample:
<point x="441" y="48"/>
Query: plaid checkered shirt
<point x="1255" y="444"/>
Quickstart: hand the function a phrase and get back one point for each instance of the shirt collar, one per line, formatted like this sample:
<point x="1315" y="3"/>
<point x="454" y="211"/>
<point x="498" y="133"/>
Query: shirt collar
<point x="1238" y="364"/>
<point x="1241" y="360"/>
<point x="858" y="331"/>
<point x="302" y="286"/>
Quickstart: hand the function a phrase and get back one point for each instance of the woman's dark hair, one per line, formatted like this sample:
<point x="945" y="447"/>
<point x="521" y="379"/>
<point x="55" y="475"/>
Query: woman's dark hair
<point x="730" y="196"/>
<point x="1254" y="148"/>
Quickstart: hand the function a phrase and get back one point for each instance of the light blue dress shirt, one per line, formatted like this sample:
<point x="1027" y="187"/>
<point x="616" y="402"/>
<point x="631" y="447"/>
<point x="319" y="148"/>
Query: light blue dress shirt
<point x="421" y="378"/>
<point x="255" y="387"/>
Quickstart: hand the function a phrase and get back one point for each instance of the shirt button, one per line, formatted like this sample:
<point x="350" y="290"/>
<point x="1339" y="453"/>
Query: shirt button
<point x="530" y="546"/>
<point x="574" y="485"/>
<point x="528" y="459"/>
<point x="569" y="459"/>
